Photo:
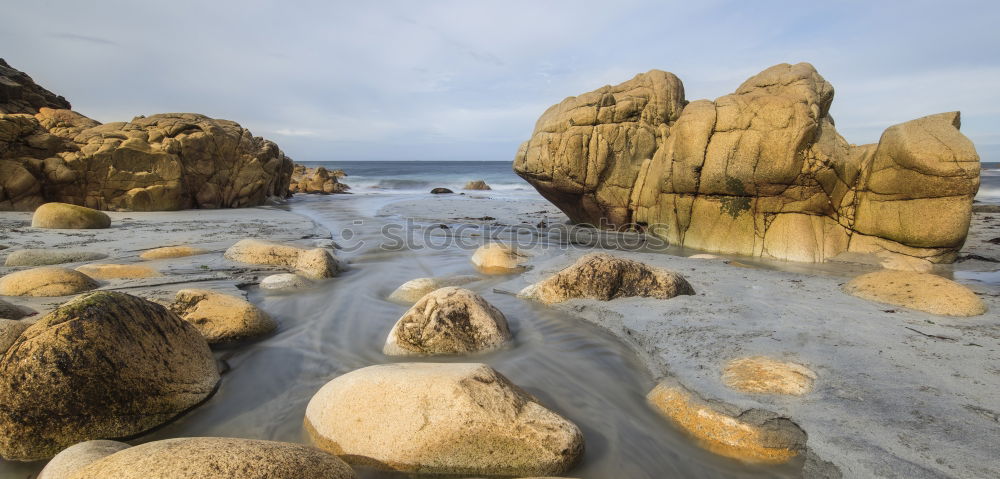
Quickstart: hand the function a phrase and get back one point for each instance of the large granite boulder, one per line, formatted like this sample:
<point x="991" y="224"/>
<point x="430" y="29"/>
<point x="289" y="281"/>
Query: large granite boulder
<point x="46" y="281"/>
<point x="315" y="263"/>
<point x="316" y="180"/>
<point x="448" y="320"/>
<point x="67" y="216"/>
<point x="78" y="456"/>
<point x="441" y="418"/>
<point x="216" y="458"/>
<point x="759" y="172"/>
<point x="168" y="161"/>
<point x="47" y="257"/>
<point x="105" y="365"/>
<point x="921" y="291"/>
<point x="221" y="318"/>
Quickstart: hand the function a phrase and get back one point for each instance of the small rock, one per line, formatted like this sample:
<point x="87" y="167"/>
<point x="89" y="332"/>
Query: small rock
<point x="498" y="258"/>
<point x="105" y="364"/>
<point x="440" y="418"/>
<point x="46" y="281"/>
<point x="703" y="256"/>
<point x="448" y="320"/>
<point x="285" y="282"/>
<point x="414" y="289"/>
<point x="768" y="376"/>
<point x="755" y="436"/>
<point x="67" y="216"/>
<point x="315" y="263"/>
<point x="45" y="257"/>
<point x="217" y="458"/>
<point x="221" y="318"/>
<point x="477" y="185"/>
<point x="920" y="291"/>
<point x="168" y="252"/>
<point x="441" y="191"/>
<point x="118" y="271"/>
<point x="78" y="456"/>
<point x="605" y="277"/>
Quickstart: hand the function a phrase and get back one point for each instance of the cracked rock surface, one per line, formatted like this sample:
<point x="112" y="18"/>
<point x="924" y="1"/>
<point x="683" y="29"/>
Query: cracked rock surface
<point x="760" y="172"/>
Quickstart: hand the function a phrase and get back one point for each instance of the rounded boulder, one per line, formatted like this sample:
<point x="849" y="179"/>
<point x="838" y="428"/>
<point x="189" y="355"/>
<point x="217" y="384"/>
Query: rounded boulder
<point x="217" y="458"/>
<point x="67" y="216"/>
<point x="104" y="365"/>
<point x="921" y="291"/>
<point x="78" y="456"/>
<point x="448" y="320"/>
<point x="441" y="418"/>
<point x="47" y="281"/>
<point x="498" y="258"/>
<point x="221" y="318"/>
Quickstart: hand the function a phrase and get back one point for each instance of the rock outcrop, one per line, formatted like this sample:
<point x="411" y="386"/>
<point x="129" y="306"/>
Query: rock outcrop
<point x="759" y="172"/>
<point x="604" y="277"/>
<point x="441" y="191"/>
<point x="440" y="418"/>
<point x="448" y="320"/>
<point x="105" y="365"/>
<point x="920" y="291"/>
<point x="168" y="161"/>
<point x="20" y="94"/>
<point x="46" y="281"/>
<point x="316" y="180"/>
<point x="477" y="185"/>
<point x="217" y="458"/>
<point x="315" y="263"/>
<point x="221" y="318"/>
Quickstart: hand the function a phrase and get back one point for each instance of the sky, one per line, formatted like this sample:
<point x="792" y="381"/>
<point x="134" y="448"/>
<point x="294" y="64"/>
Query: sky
<point x="466" y="80"/>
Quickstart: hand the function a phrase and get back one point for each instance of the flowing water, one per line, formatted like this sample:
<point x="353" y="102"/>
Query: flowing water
<point x="573" y="367"/>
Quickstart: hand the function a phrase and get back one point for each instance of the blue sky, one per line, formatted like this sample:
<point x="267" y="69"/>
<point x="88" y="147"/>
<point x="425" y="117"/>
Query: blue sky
<point x="466" y="80"/>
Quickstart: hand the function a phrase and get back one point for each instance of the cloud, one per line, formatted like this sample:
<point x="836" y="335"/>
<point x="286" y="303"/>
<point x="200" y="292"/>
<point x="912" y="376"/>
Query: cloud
<point x="457" y="79"/>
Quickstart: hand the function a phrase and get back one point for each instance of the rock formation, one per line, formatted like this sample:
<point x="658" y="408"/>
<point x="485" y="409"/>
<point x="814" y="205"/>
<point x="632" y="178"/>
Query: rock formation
<point x="448" y="320"/>
<point x="759" y="172"/>
<point x="316" y="263"/>
<point x="67" y="216"/>
<point x="435" y="418"/>
<point x="411" y="291"/>
<point x="604" y="277"/>
<point x="477" y="185"/>
<point x="78" y="456"/>
<point x="920" y="291"/>
<point x="162" y="162"/>
<point x="498" y="258"/>
<point x="46" y="281"/>
<point x="316" y="180"/>
<point x="105" y="365"/>
<point x="46" y="257"/>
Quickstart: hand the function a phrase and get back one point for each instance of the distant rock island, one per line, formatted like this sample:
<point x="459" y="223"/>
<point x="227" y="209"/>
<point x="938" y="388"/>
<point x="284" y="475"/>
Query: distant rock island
<point x="760" y="172"/>
<point x="169" y="161"/>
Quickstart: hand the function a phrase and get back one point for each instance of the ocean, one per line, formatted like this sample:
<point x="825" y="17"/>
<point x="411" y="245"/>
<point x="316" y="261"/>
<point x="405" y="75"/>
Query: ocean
<point x="421" y="176"/>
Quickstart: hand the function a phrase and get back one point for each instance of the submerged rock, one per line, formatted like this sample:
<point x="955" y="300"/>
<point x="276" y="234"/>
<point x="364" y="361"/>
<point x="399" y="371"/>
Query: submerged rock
<point x="414" y="289"/>
<point x="217" y="458"/>
<point x="78" y="456"/>
<point x="46" y="281"/>
<point x="605" y="277"/>
<point x="477" y="185"/>
<point x="498" y="258"/>
<point x="221" y="318"/>
<point x="118" y="271"/>
<point x="285" y="282"/>
<point x="104" y="365"/>
<point x="768" y="376"/>
<point x="436" y="418"/>
<point x="759" y="172"/>
<point x="168" y="252"/>
<point x="448" y="320"/>
<point x="66" y="216"/>
<point x="45" y="257"/>
<point x="753" y="436"/>
<point x="920" y="291"/>
<point x="316" y="263"/>
<point x="441" y="191"/>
